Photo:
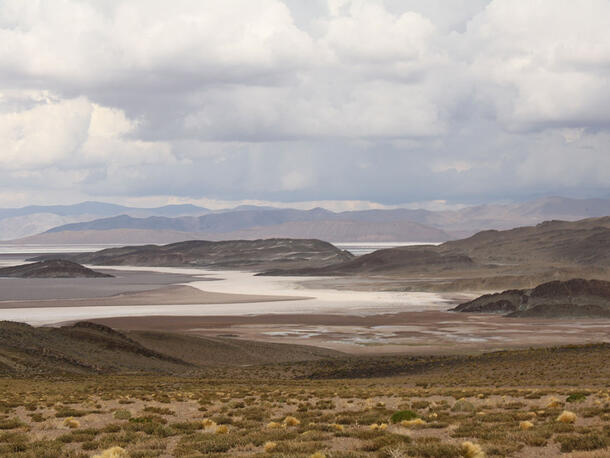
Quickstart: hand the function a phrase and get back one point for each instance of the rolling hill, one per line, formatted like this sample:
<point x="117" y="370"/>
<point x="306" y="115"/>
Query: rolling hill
<point x="232" y="254"/>
<point x="88" y="348"/>
<point x="552" y="250"/>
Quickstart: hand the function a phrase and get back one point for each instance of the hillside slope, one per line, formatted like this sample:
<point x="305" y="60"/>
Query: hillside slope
<point x="87" y="348"/>
<point x="490" y="260"/>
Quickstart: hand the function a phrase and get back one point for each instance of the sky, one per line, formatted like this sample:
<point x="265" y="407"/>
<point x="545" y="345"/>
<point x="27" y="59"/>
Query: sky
<point x="354" y="103"/>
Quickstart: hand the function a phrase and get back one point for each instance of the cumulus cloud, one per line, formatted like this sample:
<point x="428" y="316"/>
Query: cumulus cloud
<point x="378" y="100"/>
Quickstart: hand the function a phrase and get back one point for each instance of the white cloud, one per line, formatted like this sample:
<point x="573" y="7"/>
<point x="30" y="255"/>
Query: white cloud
<point x="270" y="101"/>
<point x="543" y="62"/>
<point x="42" y="135"/>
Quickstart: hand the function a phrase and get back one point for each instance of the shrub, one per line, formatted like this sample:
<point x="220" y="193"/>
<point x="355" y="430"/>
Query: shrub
<point x="113" y="452"/>
<point x="576" y="397"/>
<point x="274" y="425"/>
<point x="554" y="403"/>
<point x="471" y="450"/>
<point x="525" y="425"/>
<point x="402" y="415"/>
<point x="417" y="422"/>
<point x="207" y="423"/>
<point x="291" y="421"/>
<point x="566" y="417"/>
<point x="582" y="442"/>
<point x="68" y="412"/>
<point x="71" y="423"/>
<point x="379" y="427"/>
<point x="270" y="446"/>
<point x="10" y="423"/>
<point x="159" y="410"/>
<point x="122" y="414"/>
<point x="463" y="406"/>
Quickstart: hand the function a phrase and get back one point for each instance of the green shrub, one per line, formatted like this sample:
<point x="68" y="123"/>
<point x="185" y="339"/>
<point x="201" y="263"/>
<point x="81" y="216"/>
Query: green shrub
<point x="576" y="397"/>
<point x="401" y="415"/>
<point x="122" y="414"/>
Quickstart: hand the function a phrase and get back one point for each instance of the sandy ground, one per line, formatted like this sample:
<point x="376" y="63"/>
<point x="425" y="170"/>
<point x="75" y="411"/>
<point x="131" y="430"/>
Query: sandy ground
<point x="165" y="296"/>
<point x="431" y="332"/>
<point x="35" y="289"/>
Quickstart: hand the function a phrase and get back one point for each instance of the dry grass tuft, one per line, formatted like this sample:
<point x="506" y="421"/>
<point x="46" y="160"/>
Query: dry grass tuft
<point x="337" y="427"/>
<point x="291" y="421"/>
<point x="113" y="452"/>
<point x="318" y="455"/>
<point x="566" y="417"/>
<point x="270" y="446"/>
<point x="554" y="403"/>
<point x="222" y="429"/>
<point x="274" y="425"/>
<point x="525" y="425"/>
<point x="208" y="424"/>
<point x="471" y="450"/>
<point x="413" y="423"/>
<point x="71" y="423"/>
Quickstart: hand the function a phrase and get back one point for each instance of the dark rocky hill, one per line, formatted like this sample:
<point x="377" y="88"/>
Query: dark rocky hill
<point x="52" y="268"/>
<point x="525" y="250"/>
<point x="233" y="254"/>
<point x="391" y="260"/>
<point x="556" y="299"/>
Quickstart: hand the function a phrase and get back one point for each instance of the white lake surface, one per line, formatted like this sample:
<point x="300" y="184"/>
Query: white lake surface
<point x="360" y="248"/>
<point x="315" y="301"/>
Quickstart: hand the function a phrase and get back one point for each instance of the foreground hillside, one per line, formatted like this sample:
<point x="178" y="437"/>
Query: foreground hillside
<point x="88" y="348"/>
<point x="232" y="254"/>
<point x="572" y="298"/>
<point x="525" y="256"/>
<point x="530" y="403"/>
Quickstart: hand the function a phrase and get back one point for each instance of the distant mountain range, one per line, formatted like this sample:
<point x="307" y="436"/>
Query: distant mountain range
<point x="35" y="219"/>
<point x="95" y="222"/>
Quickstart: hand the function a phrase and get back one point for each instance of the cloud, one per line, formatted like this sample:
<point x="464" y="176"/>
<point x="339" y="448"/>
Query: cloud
<point x="378" y="100"/>
<point x="543" y="63"/>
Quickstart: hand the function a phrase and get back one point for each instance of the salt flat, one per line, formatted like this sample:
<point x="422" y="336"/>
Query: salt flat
<point x="313" y="301"/>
